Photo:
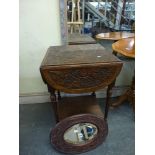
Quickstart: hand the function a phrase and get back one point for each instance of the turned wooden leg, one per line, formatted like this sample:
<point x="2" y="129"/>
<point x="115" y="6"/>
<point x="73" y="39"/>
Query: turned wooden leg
<point x="128" y="95"/>
<point x="54" y="102"/>
<point x="120" y="100"/>
<point x="109" y="93"/>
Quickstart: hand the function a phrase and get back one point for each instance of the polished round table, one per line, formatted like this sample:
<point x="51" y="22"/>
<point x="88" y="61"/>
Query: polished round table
<point x="114" y="35"/>
<point x="126" y="47"/>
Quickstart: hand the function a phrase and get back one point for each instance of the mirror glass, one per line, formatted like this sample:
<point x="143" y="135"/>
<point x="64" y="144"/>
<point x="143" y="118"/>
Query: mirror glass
<point x="80" y="133"/>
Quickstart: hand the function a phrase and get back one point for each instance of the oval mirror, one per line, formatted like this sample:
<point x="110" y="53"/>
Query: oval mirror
<point x="80" y="133"/>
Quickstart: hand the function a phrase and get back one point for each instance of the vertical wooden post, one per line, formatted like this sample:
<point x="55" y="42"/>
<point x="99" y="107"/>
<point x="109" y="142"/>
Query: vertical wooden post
<point x="78" y="9"/>
<point x="73" y="5"/>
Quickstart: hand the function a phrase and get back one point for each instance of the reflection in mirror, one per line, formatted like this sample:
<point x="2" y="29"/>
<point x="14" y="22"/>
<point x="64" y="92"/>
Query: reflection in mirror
<point x="80" y="133"/>
<point x="74" y="16"/>
<point x="71" y="18"/>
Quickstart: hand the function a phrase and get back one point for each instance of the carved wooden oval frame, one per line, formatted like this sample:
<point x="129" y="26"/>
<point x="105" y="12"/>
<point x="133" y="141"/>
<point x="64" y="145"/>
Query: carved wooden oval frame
<point x="61" y="145"/>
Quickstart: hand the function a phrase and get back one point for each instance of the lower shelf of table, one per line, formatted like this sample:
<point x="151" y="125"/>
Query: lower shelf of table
<point x="81" y="125"/>
<point x="69" y="106"/>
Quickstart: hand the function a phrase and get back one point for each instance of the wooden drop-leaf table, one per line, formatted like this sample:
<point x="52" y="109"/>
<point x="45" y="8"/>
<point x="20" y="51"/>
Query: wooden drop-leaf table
<point x="79" y="69"/>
